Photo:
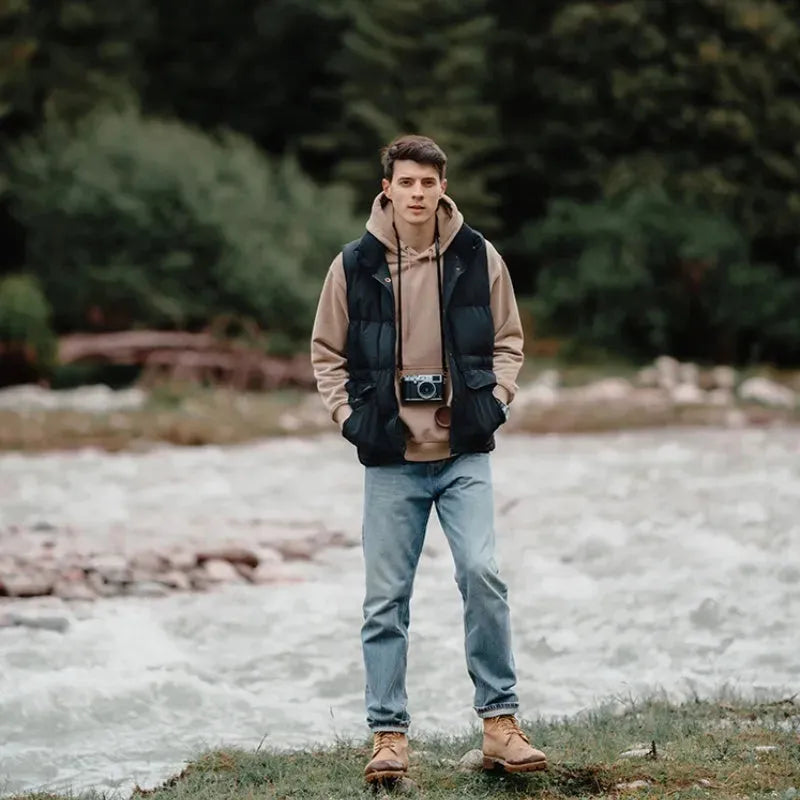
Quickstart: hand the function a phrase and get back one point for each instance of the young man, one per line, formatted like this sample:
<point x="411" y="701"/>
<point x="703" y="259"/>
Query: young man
<point x="416" y="349"/>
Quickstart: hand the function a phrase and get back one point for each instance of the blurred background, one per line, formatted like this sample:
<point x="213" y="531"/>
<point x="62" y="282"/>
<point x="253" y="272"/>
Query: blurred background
<point x="195" y="167"/>
<point x="175" y="180"/>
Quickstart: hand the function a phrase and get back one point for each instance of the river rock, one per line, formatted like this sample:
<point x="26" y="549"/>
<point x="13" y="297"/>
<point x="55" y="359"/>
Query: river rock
<point x="720" y="397"/>
<point x="269" y="555"/>
<point x="724" y="377"/>
<point x="73" y="590"/>
<point x="97" y="399"/>
<point x="770" y="393"/>
<point x="22" y="584"/>
<point x="648" y="378"/>
<point x="100" y="587"/>
<point x="668" y="370"/>
<point x="631" y="786"/>
<point x="640" y="751"/>
<point x="687" y="394"/>
<point x="175" y="579"/>
<point x="233" y="555"/>
<point x="147" y="589"/>
<point x="607" y="390"/>
<point x="149" y="562"/>
<point x="273" y="573"/>
<point x="181" y="559"/>
<point x="471" y="761"/>
<point x="688" y="373"/>
<point x="55" y="624"/>
<point x="297" y="549"/>
<point x="542" y="392"/>
<point x="707" y="615"/>
<point x="217" y="570"/>
<point x="112" y="567"/>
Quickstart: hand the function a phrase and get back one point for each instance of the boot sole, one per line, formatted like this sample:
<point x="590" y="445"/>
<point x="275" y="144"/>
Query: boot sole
<point x="494" y="763"/>
<point x="385" y="775"/>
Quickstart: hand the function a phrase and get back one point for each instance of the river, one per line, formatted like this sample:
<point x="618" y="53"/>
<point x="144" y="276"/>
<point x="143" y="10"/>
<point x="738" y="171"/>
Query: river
<point x="658" y="561"/>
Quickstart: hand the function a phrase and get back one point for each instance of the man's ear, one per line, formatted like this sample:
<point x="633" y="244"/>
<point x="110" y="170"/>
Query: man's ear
<point x="444" y="185"/>
<point x="386" y="185"/>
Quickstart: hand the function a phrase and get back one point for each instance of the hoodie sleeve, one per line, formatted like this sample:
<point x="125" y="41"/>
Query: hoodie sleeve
<point x="508" y="336"/>
<point x="329" y="343"/>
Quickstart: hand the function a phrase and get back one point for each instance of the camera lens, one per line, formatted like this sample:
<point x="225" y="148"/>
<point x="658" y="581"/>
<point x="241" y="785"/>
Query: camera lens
<point x="426" y="389"/>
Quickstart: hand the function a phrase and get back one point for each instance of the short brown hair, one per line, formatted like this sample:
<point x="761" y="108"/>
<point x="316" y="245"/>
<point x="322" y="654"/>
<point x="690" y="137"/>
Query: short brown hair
<point x="413" y="148"/>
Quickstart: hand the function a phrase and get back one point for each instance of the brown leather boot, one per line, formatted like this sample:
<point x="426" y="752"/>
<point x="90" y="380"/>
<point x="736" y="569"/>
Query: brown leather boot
<point x="505" y="745"/>
<point x="389" y="757"/>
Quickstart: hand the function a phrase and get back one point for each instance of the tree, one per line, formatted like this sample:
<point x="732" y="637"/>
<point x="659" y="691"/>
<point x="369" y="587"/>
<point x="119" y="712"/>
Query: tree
<point x="259" y="70"/>
<point x="700" y="97"/>
<point x="408" y="66"/>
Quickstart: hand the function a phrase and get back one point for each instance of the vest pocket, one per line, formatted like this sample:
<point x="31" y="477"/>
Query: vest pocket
<point x="482" y="412"/>
<point x="357" y="426"/>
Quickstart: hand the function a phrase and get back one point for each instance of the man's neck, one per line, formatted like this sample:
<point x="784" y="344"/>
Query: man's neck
<point x="417" y="237"/>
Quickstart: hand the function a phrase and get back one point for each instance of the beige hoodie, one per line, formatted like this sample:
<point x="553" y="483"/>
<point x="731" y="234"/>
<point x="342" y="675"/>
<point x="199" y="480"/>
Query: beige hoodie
<point x="428" y="434"/>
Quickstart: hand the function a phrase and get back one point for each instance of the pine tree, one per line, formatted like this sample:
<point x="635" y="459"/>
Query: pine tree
<point x="410" y="66"/>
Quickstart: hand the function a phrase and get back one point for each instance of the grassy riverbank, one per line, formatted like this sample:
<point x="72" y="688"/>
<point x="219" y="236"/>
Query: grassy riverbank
<point x="188" y="414"/>
<point x="724" y="751"/>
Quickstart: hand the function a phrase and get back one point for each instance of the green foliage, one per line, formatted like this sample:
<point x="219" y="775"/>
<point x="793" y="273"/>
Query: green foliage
<point x="25" y="322"/>
<point x="141" y="222"/>
<point x="700" y="97"/>
<point x="61" y="58"/>
<point x="400" y="76"/>
<point x="261" y="69"/>
<point x="645" y="275"/>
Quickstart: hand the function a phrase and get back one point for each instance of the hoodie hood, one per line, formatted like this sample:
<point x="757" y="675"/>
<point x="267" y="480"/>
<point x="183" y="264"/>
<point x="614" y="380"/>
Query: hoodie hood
<point x="381" y="222"/>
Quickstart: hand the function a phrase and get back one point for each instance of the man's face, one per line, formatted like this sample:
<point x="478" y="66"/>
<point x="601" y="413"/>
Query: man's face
<point x="414" y="190"/>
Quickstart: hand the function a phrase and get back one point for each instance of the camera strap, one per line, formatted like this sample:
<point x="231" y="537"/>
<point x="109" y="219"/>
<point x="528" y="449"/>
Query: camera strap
<point x="400" y="298"/>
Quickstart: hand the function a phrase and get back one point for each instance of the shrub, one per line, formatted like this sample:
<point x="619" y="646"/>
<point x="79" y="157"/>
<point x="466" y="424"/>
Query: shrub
<point x="644" y="275"/>
<point x="27" y="344"/>
<point x="143" y="222"/>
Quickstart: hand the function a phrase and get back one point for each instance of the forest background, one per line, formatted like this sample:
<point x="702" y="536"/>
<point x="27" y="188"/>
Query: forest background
<point x="164" y="165"/>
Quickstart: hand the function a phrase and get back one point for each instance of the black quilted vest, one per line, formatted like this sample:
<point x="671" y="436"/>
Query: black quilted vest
<point x="375" y="426"/>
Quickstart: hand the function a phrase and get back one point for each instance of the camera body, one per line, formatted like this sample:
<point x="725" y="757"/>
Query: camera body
<point x="422" y="388"/>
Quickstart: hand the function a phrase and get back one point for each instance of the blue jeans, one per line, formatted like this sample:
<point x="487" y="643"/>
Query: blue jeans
<point x="397" y="504"/>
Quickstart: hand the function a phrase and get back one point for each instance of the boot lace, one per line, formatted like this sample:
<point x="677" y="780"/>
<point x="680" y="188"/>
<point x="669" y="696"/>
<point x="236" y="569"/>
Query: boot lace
<point x="510" y="727"/>
<point x="388" y="739"/>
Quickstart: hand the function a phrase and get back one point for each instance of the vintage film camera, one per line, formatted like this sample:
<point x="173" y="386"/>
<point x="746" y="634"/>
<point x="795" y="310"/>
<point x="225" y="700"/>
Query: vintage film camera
<point x="419" y="388"/>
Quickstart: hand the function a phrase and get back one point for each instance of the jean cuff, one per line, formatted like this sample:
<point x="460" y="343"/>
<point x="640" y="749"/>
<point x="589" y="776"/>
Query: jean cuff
<point x="497" y="710"/>
<point x="394" y="728"/>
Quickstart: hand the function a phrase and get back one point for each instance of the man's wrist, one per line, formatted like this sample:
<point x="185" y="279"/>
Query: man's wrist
<point x="505" y="408"/>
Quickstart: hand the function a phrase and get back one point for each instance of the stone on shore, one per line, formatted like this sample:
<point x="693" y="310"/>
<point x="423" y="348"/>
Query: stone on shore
<point x="471" y="761"/>
<point x="217" y="570"/>
<point x="607" y="390"/>
<point x="688" y="394"/>
<point x="724" y="377"/>
<point x="73" y="590"/>
<point x="25" y="584"/>
<point x="767" y="392"/>
<point x="233" y="555"/>
<point x="44" y="623"/>
<point x="147" y="589"/>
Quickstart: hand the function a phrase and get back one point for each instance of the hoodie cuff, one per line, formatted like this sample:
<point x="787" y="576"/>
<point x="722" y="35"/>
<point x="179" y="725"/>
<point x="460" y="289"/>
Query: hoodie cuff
<point x="502" y="394"/>
<point x="341" y="413"/>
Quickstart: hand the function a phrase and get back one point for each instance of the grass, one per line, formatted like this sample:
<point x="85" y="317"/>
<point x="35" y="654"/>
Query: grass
<point x="695" y="750"/>
<point x="182" y="415"/>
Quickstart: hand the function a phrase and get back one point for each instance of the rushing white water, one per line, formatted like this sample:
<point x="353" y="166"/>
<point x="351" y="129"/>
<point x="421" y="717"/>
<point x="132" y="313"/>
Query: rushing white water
<point x="665" y="560"/>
